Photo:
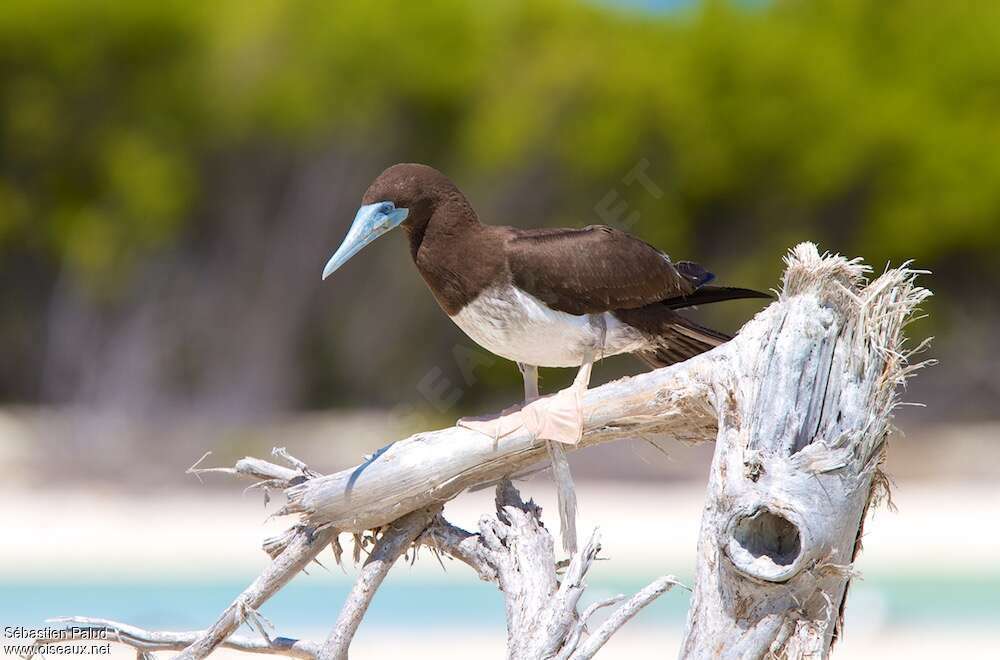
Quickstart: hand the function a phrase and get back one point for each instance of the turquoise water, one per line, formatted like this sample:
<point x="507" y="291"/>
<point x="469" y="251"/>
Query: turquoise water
<point x="311" y="602"/>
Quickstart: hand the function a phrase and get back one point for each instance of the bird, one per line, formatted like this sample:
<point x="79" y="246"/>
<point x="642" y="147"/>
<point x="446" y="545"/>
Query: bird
<point x="540" y="297"/>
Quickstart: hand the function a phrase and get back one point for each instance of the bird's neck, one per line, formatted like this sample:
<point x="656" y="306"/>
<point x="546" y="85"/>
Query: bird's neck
<point x="447" y="223"/>
<point x="456" y="255"/>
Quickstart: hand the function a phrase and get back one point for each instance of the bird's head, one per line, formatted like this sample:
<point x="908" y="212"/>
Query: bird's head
<point x="405" y="194"/>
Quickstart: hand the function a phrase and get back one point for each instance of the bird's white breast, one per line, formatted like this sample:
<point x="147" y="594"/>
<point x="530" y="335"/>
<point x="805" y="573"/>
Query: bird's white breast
<point x="515" y="325"/>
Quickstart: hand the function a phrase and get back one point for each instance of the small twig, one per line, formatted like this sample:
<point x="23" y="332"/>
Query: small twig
<point x="581" y="626"/>
<point x="464" y="546"/>
<point x="395" y="539"/>
<point x="254" y="468"/>
<point x="593" y="607"/>
<point x="565" y="495"/>
<point x="296" y="463"/>
<point x="146" y="641"/>
<point x="619" y="617"/>
<point x="571" y="589"/>
<point x="303" y="547"/>
<point x="194" y="468"/>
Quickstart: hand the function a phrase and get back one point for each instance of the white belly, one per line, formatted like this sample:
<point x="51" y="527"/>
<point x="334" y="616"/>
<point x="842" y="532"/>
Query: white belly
<point x="515" y="325"/>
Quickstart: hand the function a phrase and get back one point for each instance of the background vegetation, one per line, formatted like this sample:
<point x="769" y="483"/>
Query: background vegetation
<point x="173" y="175"/>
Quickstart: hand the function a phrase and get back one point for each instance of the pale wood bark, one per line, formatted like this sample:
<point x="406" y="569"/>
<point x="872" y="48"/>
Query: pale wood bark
<point x="393" y="541"/>
<point x="514" y="550"/>
<point x="290" y="553"/>
<point x="145" y="642"/>
<point x="804" y="408"/>
<point x="436" y="466"/>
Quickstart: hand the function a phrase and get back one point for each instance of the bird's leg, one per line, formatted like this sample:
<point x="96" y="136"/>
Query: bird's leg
<point x="506" y="423"/>
<point x="559" y="418"/>
<point x="565" y="490"/>
<point x="565" y="494"/>
<point x="530" y="375"/>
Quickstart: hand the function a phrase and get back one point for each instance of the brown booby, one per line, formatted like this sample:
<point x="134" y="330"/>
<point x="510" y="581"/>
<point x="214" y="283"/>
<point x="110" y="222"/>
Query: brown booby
<point x="540" y="297"/>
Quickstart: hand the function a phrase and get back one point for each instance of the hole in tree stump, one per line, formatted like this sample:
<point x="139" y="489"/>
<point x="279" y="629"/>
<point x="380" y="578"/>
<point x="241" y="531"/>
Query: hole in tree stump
<point x="768" y="536"/>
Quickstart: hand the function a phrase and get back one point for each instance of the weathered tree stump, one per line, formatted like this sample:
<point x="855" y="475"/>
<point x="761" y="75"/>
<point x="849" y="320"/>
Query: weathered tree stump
<point x="803" y="422"/>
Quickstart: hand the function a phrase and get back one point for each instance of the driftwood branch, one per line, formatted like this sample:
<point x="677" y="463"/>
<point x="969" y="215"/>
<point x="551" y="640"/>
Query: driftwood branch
<point x="515" y="551"/>
<point x="291" y="553"/>
<point x="799" y="403"/>
<point x="430" y="468"/>
<point x="464" y="546"/>
<point x="621" y="616"/>
<point x="146" y="641"/>
<point x="394" y="540"/>
<point x="512" y="550"/>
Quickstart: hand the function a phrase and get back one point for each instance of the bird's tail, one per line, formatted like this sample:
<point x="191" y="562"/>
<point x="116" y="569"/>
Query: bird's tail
<point x="712" y="294"/>
<point x="680" y="339"/>
<point x="675" y="338"/>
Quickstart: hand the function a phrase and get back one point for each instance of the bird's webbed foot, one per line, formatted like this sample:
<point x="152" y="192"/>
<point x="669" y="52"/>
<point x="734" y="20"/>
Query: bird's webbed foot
<point x="495" y="426"/>
<point x="557" y="418"/>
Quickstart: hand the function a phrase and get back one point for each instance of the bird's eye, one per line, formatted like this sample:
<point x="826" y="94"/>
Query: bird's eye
<point x="386" y="208"/>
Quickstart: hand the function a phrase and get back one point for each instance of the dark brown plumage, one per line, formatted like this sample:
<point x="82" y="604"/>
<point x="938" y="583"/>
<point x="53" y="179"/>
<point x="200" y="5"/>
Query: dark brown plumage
<point x="591" y="271"/>
<point x="540" y="297"/>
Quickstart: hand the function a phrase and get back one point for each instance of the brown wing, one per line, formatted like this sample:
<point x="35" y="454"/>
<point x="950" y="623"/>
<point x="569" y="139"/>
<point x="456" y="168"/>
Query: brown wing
<point x="592" y="270"/>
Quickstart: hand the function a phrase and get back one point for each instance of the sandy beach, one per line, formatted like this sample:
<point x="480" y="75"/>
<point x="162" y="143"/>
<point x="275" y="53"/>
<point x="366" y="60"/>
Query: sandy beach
<point x="207" y="535"/>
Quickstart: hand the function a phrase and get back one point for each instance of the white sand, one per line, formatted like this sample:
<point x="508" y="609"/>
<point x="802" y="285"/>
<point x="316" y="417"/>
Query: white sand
<point x="435" y="645"/>
<point x="648" y="530"/>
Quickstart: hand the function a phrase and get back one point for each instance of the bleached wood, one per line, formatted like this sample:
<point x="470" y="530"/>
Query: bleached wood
<point x="800" y="404"/>
<point x="291" y="552"/>
<point x="442" y="536"/>
<point x="303" y="547"/>
<point x="621" y="616"/>
<point x="436" y="466"/>
<point x="804" y="409"/>
<point x="515" y="551"/>
<point x="147" y="641"/>
<point x="393" y="541"/>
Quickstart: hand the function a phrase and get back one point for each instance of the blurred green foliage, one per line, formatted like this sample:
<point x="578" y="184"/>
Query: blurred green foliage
<point x="782" y="113"/>
<point x="873" y="127"/>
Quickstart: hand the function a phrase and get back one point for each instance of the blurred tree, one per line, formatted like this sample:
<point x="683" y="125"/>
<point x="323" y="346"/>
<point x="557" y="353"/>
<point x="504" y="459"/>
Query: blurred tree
<point x="159" y="158"/>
